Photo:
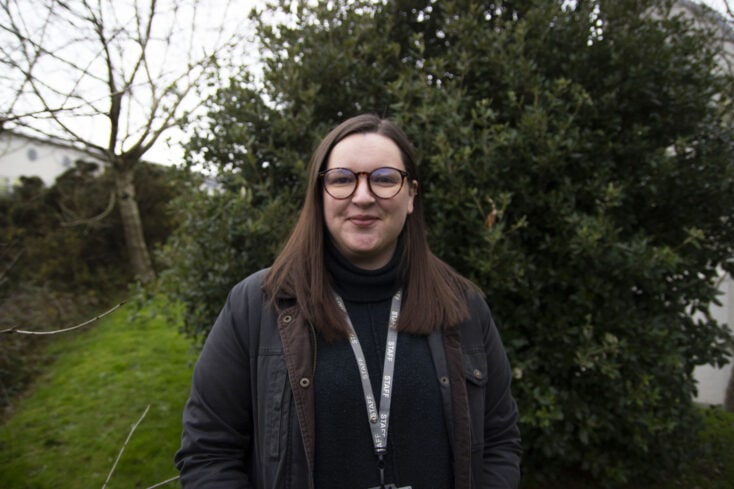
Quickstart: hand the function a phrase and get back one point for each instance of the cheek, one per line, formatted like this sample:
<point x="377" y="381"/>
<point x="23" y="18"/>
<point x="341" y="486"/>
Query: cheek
<point x="405" y="207"/>
<point x="331" y="211"/>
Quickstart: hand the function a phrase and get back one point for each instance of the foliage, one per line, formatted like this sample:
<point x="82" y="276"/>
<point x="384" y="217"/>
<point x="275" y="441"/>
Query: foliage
<point x="70" y="430"/>
<point x="67" y="238"/>
<point x="63" y="257"/>
<point x="221" y="236"/>
<point x="577" y="163"/>
<point x="710" y="464"/>
<point x="713" y="465"/>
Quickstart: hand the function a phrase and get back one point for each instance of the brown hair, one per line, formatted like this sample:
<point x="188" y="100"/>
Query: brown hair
<point x="434" y="295"/>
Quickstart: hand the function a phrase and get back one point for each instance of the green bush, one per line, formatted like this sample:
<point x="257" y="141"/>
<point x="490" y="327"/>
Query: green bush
<point x="577" y="163"/>
<point x="68" y="237"/>
<point x="221" y="236"/>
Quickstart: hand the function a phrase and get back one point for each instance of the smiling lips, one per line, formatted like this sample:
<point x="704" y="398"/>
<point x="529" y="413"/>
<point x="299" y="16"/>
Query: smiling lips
<point x="362" y="220"/>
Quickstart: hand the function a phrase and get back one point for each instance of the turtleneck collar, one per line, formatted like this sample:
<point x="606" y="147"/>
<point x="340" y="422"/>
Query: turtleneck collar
<point x="360" y="285"/>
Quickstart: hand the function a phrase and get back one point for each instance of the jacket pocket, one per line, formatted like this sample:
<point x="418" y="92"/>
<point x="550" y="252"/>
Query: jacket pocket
<point x="475" y="372"/>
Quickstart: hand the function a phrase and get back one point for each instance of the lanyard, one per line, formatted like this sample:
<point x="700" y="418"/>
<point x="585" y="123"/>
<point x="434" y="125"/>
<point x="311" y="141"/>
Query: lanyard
<point x="378" y="421"/>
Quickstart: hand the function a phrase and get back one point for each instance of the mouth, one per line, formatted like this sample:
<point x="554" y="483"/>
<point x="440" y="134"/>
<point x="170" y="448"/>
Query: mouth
<point x="362" y="221"/>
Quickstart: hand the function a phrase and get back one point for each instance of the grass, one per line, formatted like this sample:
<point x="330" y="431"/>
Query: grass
<point x="69" y="430"/>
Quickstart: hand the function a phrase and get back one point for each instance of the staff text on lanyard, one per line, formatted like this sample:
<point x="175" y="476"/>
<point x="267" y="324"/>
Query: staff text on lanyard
<point x="378" y="418"/>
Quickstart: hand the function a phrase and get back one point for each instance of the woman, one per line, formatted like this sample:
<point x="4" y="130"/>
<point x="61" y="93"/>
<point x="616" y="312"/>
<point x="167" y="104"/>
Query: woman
<point x="359" y="359"/>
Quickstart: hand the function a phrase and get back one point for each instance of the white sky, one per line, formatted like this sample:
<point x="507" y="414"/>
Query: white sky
<point x="719" y="5"/>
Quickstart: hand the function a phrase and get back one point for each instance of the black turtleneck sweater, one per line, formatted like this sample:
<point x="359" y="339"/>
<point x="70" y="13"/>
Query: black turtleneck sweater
<point x="418" y="452"/>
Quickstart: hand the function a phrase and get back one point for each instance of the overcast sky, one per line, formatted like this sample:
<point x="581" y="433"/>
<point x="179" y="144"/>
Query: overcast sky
<point x="719" y="5"/>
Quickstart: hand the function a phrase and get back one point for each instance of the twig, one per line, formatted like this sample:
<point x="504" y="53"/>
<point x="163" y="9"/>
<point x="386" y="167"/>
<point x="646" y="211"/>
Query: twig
<point x="12" y="263"/>
<point x="65" y="330"/>
<point x="90" y="220"/>
<point x="168" y="481"/>
<point x="124" y="445"/>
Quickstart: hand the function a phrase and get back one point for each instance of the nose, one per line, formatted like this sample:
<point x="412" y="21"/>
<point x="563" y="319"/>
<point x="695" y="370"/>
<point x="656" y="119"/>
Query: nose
<point x="362" y="194"/>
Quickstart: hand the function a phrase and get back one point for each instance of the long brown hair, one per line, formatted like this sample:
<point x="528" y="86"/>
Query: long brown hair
<point x="434" y="295"/>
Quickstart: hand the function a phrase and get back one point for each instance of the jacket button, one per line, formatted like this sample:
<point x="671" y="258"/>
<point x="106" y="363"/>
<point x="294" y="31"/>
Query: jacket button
<point x="305" y="382"/>
<point x="287" y="318"/>
<point x="444" y="380"/>
<point x="478" y="373"/>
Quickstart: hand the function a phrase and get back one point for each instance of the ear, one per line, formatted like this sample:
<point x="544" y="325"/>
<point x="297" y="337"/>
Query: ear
<point x="413" y="187"/>
<point x="412" y="192"/>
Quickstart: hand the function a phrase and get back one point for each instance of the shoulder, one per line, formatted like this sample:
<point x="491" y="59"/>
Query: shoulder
<point x="480" y="325"/>
<point x="246" y="299"/>
<point x="478" y="307"/>
<point x="251" y="286"/>
<point x="473" y="297"/>
<point x="248" y="314"/>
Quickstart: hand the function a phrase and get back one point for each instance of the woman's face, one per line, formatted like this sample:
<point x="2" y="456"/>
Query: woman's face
<point x="363" y="227"/>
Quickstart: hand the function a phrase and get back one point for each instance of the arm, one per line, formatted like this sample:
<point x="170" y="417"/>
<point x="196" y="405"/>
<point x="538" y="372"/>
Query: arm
<point x="502" y="448"/>
<point x="217" y="419"/>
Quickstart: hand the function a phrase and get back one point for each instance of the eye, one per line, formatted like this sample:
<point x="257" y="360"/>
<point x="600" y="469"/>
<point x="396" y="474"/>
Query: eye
<point x="385" y="177"/>
<point x="339" y="177"/>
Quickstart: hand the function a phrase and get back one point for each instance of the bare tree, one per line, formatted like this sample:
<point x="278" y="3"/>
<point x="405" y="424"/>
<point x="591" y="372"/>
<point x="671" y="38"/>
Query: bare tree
<point x="111" y="76"/>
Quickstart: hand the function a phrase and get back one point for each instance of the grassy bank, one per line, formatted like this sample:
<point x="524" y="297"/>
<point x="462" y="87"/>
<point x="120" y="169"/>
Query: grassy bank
<point x="69" y="430"/>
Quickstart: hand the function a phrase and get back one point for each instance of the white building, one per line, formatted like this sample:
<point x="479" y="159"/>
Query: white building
<point x="712" y="381"/>
<point x="22" y="155"/>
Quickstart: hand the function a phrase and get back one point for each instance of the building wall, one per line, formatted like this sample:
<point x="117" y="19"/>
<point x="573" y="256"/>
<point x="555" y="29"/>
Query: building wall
<point x="22" y="155"/>
<point x="712" y="381"/>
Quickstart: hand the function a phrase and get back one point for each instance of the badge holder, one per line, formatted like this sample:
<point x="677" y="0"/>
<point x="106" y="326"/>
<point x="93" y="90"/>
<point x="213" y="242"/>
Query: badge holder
<point x="391" y="486"/>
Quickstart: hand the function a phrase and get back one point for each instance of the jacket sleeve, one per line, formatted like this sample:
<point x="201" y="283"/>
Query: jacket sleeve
<point x="217" y="418"/>
<point x="502" y="447"/>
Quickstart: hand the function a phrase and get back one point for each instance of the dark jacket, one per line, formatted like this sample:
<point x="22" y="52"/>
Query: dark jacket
<point x="249" y="420"/>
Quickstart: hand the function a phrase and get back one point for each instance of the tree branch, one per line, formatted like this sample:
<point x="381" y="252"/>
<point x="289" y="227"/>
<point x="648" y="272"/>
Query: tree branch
<point x="89" y="220"/>
<point x="163" y="483"/>
<point x="124" y="445"/>
<point x="10" y="266"/>
<point x="65" y="330"/>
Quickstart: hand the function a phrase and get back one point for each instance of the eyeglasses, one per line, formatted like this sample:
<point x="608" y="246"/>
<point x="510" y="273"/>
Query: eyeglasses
<point x="384" y="182"/>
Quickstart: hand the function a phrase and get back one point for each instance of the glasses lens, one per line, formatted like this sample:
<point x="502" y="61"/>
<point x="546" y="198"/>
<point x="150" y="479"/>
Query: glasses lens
<point x="386" y="182"/>
<point x="339" y="182"/>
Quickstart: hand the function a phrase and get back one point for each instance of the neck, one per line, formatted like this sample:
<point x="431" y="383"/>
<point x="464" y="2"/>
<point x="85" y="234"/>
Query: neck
<point x="359" y="284"/>
<point x="369" y="262"/>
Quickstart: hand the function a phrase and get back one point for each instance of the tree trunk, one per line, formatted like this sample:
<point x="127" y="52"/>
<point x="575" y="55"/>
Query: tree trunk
<point x="729" y="398"/>
<point x="133" y="226"/>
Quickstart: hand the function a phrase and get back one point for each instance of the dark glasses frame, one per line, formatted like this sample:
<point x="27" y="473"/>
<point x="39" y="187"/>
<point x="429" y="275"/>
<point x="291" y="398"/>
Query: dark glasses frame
<point x="324" y="173"/>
